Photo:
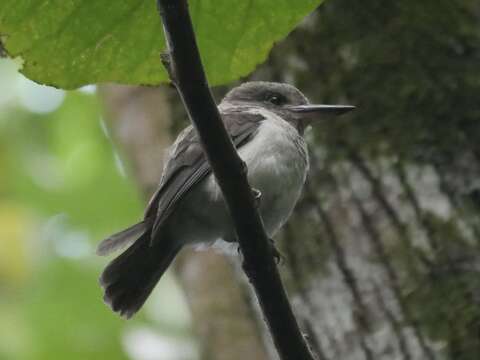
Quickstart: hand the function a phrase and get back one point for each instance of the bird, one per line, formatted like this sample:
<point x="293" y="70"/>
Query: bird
<point x="266" y="122"/>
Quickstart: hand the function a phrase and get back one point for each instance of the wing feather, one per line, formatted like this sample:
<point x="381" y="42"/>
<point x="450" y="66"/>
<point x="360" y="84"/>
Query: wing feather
<point x="188" y="165"/>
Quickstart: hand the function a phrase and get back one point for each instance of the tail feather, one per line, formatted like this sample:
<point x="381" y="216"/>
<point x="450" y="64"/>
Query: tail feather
<point x="130" y="278"/>
<point x="122" y="239"/>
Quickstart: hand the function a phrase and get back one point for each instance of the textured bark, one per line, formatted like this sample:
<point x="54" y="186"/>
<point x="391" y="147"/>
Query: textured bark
<point x="140" y="121"/>
<point x="382" y="251"/>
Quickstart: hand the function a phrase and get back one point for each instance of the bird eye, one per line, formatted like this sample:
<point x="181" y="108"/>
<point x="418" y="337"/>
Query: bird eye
<point x="275" y="99"/>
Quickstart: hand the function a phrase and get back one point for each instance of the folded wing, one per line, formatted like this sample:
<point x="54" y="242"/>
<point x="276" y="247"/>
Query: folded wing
<point x="188" y="165"/>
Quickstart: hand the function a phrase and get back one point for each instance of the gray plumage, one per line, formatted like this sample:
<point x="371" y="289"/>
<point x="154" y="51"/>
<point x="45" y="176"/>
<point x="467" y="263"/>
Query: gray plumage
<point x="266" y="123"/>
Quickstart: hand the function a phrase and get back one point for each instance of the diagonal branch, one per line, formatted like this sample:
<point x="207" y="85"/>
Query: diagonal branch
<point x="3" y="52"/>
<point x="188" y="76"/>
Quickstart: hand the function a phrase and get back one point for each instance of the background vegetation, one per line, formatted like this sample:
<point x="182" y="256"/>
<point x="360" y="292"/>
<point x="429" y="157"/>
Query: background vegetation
<point x="63" y="187"/>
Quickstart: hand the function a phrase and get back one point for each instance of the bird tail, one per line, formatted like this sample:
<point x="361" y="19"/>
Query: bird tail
<point x="130" y="278"/>
<point x="123" y="238"/>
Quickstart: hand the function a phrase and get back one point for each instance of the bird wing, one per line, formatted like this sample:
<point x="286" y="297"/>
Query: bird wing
<point x="187" y="164"/>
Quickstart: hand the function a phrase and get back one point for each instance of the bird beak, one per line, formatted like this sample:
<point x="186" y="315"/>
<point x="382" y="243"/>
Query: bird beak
<point x="310" y="111"/>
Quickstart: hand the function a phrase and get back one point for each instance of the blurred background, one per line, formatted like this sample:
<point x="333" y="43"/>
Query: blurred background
<point x="382" y="253"/>
<point x="63" y="187"/>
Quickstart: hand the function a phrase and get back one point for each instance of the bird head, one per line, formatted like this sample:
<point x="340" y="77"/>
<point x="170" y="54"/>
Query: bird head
<point x="284" y="100"/>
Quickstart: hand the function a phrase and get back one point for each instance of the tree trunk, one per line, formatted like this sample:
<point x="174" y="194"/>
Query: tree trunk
<point x="382" y="251"/>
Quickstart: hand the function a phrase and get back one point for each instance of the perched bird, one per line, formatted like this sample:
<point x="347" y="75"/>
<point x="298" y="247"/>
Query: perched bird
<point x="266" y="122"/>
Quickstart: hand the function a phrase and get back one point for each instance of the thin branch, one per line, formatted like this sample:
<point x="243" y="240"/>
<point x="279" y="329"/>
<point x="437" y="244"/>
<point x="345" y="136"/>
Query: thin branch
<point x="231" y="174"/>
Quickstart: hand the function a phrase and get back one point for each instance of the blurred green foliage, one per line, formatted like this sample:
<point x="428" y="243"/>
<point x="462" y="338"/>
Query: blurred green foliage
<point x="62" y="189"/>
<point x="63" y="162"/>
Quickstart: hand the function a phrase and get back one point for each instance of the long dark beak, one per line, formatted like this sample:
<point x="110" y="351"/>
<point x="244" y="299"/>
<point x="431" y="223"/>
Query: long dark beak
<point x="312" y="110"/>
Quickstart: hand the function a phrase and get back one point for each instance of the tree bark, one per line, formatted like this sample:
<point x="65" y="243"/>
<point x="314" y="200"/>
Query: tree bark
<point x="382" y="250"/>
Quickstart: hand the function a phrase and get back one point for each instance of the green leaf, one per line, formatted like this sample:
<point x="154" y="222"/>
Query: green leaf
<point x="72" y="43"/>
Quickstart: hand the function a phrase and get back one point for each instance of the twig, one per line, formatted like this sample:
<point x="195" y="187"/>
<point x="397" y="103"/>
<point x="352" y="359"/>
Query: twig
<point x="231" y="174"/>
<point x="3" y="52"/>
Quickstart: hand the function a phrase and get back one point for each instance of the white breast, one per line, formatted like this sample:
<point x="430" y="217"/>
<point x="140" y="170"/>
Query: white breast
<point x="277" y="162"/>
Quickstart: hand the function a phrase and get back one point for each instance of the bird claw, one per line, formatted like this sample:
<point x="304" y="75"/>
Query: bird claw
<point x="257" y="196"/>
<point x="277" y="255"/>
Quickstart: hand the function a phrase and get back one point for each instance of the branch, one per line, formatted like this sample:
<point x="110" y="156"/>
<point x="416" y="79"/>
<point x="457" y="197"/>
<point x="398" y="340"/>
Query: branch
<point x="3" y="52"/>
<point x="230" y="171"/>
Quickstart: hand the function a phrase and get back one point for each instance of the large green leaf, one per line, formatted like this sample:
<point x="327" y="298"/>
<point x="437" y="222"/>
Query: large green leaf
<point x="76" y="42"/>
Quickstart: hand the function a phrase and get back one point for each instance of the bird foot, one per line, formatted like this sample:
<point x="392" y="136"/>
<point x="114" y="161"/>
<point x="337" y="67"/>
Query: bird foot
<point x="257" y="196"/>
<point x="166" y="59"/>
<point x="277" y="255"/>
